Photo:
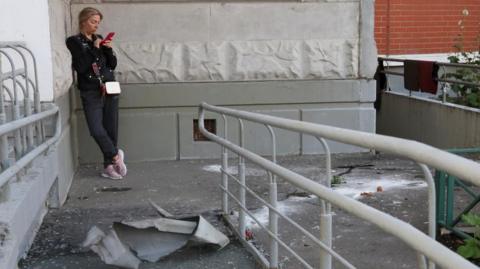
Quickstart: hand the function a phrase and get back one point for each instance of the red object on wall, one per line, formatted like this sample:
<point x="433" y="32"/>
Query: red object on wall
<point x="427" y="26"/>
<point x="420" y="75"/>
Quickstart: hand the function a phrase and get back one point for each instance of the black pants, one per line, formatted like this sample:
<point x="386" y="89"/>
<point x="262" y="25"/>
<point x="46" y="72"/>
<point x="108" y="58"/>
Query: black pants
<point x="101" y="113"/>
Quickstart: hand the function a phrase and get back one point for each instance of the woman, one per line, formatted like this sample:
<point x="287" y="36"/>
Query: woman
<point x="94" y="63"/>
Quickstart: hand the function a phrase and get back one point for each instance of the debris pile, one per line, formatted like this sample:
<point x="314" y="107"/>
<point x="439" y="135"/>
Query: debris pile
<point x="129" y="242"/>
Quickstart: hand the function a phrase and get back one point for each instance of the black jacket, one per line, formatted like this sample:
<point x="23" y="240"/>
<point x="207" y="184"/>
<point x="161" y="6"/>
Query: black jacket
<point x="84" y="54"/>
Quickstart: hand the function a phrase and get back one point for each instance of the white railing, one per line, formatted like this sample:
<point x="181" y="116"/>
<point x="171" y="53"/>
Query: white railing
<point x="424" y="155"/>
<point x="22" y="131"/>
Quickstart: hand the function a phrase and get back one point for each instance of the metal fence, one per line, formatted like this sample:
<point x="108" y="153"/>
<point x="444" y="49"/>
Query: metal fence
<point x="442" y="79"/>
<point x="430" y="252"/>
<point x="22" y="128"/>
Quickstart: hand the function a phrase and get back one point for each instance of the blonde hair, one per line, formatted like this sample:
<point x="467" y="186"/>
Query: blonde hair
<point x="86" y="13"/>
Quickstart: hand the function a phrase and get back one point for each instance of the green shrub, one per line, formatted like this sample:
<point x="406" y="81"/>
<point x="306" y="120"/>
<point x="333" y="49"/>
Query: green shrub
<point x="471" y="248"/>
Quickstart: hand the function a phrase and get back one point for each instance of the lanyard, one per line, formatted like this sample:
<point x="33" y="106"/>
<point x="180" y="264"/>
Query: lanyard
<point x="96" y="70"/>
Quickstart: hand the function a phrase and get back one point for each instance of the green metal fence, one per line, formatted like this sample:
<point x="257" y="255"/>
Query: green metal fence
<point x="447" y="186"/>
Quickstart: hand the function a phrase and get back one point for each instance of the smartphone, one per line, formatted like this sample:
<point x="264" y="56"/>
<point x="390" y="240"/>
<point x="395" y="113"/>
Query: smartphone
<point x="108" y="38"/>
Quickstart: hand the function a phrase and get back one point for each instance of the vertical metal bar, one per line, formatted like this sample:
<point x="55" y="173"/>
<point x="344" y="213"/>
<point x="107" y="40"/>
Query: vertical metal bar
<point x="36" y="98"/>
<point x="328" y="165"/>
<point x="3" y="119"/>
<point x="444" y="94"/>
<point x="273" y="223"/>
<point x="18" y="135"/>
<point x="444" y="86"/>
<point x="23" y="133"/>
<point x="5" y="190"/>
<point x="450" y="200"/>
<point x="14" y="75"/>
<point x="431" y="206"/>
<point x="422" y="262"/>
<point x="40" y="135"/>
<point x="241" y="175"/>
<point x="16" y="112"/>
<point x="326" y="216"/>
<point x="224" y="168"/>
<point x="272" y="216"/>
<point x="28" y="111"/>
<point x="28" y="135"/>
<point x="440" y="187"/>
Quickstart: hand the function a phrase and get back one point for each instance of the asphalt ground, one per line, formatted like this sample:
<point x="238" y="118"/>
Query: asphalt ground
<point x="190" y="187"/>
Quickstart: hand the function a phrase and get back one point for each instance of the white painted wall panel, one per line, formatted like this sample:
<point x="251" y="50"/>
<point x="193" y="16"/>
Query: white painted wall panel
<point x="28" y="21"/>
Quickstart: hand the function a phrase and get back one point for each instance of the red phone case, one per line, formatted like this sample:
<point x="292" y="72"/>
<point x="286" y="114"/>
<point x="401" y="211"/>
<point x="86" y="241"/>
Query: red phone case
<point x="109" y="37"/>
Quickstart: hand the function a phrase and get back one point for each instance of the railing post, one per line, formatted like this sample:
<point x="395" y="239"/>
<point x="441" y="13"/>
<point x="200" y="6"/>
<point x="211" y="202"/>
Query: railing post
<point x="36" y="98"/>
<point x="241" y="175"/>
<point x="5" y="190"/>
<point x="432" y="229"/>
<point x="326" y="214"/>
<point x="28" y="111"/>
<point x="272" y="216"/>
<point x="28" y="133"/>
<point x="17" y="134"/>
<point x="224" y="169"/>
<point x="422" y="262"/>
<point x="3" y="119"/>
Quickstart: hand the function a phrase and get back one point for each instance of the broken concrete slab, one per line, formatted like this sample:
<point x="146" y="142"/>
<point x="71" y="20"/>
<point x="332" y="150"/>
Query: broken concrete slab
<point x="110" y="249"/>
<point x="128" y="242"/>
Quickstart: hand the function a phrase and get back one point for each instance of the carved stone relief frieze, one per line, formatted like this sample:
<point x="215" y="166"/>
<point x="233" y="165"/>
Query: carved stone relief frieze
<point x="205" y="61"/>
<point x="145" y="62"/>
<point x="331" y="59"/>
<point x="150" y="62"/>
<point x="254" y="60"/>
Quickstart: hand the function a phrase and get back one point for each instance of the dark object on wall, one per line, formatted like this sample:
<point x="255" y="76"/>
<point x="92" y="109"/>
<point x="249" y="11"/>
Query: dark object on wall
<point x="420" y="76"/>
<point x="381" y="79"/>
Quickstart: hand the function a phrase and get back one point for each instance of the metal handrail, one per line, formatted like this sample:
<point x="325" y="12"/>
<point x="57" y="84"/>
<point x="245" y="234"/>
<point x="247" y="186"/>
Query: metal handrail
<point x="419" y="152"/>
<point x="288" y="219"/>
<point x="23" y="128"/>
<point x="20" y="48"/>
<point x="14" y="125"/>
<point x="438" y="79"/>
<point x="473" y="66"/>
<point x="6" y="128"/>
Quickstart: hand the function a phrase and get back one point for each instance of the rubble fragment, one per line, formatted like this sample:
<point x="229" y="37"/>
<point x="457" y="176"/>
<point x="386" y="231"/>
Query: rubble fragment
<point x="129" y="242"/>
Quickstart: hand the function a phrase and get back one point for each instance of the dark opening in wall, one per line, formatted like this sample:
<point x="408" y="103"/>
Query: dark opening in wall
<point x="210" y="125"/>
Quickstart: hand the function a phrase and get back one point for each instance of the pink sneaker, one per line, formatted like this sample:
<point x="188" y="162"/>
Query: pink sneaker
<point x="109" y="172"/>
<point x="120" y="166"/>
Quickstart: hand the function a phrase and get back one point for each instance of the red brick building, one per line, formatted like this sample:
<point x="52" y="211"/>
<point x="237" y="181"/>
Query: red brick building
<point x="406" y="27"/>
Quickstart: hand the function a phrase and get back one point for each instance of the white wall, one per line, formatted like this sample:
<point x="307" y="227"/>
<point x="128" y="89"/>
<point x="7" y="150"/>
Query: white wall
<point x="28" y="21"/>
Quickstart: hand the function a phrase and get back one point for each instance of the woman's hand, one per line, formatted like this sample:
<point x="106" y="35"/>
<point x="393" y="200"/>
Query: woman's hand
<point x="107" y="43"/>
<point x="96" y="43"/>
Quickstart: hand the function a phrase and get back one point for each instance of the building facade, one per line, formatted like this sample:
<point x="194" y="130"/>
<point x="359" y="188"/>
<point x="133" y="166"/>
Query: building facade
<point x="426" y="29"/>
<point x="304" y="60"/>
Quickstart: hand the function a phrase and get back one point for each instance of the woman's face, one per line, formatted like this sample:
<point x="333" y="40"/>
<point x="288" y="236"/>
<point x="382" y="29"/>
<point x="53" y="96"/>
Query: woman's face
<point x="90" y="26"/>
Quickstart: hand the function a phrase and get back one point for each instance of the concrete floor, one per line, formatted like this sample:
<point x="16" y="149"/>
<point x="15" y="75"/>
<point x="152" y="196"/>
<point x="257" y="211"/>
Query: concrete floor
<point x="189" y="187"/>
